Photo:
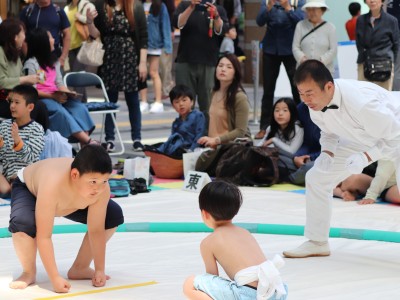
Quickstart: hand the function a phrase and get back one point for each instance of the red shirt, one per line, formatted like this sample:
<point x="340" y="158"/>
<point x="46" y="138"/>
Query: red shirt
<point x="351" y="28"/>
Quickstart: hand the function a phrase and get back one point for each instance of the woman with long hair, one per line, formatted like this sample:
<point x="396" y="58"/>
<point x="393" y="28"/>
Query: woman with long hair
<point x="123" y="29"/>
<point x="68" y="116"/>
<point x="229" y="109"/>
<point x="12" y="36"/>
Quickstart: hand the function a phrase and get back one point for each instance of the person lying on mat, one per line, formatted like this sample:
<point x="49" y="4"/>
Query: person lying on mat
<point x="76" y="189"/>
<point x="383" y="185"/>
<point x="188" y="127"/>
<point x="251" y="275"/>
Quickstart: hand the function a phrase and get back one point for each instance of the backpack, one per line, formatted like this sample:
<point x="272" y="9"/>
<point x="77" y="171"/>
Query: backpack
<point x="119" y="187"/>
<point x="249" y="165"/>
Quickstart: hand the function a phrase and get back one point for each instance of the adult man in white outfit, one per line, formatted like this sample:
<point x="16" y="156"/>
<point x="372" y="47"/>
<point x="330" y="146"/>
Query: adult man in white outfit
<point x="360" y="123"/>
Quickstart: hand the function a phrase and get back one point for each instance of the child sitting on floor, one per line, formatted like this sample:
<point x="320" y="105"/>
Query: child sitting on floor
<point x="187" y="128"/>
<point x="285" y="131"/>
<point x="21" y="138"/>
<point x="251" y="275"/>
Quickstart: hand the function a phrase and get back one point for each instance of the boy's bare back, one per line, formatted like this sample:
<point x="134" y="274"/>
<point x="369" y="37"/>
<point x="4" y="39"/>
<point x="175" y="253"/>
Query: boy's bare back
<point x="233" y="247"/>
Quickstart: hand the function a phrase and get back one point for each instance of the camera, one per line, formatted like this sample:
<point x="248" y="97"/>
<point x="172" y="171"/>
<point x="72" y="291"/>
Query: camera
<point x="202" y="6"/>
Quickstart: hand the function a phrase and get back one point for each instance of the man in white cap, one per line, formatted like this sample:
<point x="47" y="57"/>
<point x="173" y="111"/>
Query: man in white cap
<point x="360" y="123"/>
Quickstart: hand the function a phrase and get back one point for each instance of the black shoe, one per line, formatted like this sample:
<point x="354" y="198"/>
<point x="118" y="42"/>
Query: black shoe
<point x="137" y="146"/>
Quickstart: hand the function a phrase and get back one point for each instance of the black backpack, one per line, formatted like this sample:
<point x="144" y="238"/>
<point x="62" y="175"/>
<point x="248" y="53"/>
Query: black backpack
<point x="248" y="165"/>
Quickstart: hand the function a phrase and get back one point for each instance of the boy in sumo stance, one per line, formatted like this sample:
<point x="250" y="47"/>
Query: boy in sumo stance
<point x="76" y="189"/>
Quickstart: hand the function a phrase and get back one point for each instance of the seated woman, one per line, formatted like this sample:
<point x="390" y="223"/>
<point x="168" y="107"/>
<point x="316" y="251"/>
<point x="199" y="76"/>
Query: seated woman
<point x="229" y="109"/>
<point x="67" y="115"/>
<point x="12" y="36"/>
<point x="229" y="112"/>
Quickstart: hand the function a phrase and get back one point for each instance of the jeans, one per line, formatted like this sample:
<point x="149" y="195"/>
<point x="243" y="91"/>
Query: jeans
<point x="135" y="116"/>
<point x="271" y="66"/>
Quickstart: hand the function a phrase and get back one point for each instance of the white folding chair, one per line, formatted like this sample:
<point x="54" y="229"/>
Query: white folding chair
<point x="86" y="79"/>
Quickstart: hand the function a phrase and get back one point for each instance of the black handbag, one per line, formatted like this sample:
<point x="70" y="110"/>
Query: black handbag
<point x="377" y="69"/>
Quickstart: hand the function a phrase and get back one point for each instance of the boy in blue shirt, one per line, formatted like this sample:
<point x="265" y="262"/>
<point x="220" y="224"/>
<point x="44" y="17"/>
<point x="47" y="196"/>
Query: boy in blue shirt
<point x="187" y="128"/>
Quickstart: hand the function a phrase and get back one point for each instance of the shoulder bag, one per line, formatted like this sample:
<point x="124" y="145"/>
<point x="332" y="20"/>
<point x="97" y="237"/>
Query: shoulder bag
<point x="91" y="53"/>
<point x="312" y="30"/>
<point x="82" y="28"/>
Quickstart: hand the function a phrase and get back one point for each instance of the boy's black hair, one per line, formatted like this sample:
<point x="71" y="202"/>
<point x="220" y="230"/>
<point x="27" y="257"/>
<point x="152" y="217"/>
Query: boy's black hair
<point x="28" y="92"/>
<point x="315" y="70"/>
<point x="92" y="159"/>
<point x="180" y="90"/>
<point x="221" y="200"/>
<point x="354" y="8"/>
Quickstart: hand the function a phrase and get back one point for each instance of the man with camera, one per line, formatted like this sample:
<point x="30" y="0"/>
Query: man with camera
<point x="201" y="24"/>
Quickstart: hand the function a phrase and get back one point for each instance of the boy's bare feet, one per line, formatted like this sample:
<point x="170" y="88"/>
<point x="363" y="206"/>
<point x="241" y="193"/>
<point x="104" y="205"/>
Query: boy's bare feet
<point x="23" y="281"/>
<point x="81" y="274"/>
<point x="347" y="196"/>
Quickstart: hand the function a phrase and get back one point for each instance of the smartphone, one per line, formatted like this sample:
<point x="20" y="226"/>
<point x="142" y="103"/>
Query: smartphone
<point x="202" y="6"/>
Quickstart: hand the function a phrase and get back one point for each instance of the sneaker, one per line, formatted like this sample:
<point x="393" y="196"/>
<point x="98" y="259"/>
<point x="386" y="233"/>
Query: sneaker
<point x="109" y="146"/>
<point x="309" y="249"/>
<point x="156" y="108"/>
<point x="137" y="146"/>
<point x="144" y="107"/>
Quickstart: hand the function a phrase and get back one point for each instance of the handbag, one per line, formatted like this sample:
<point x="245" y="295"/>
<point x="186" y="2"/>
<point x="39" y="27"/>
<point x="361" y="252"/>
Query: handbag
<point x="83" y="30"/>
<point x="248" y="165"/>
<point x="91" y="53"/>
<point x="377" y="69"/>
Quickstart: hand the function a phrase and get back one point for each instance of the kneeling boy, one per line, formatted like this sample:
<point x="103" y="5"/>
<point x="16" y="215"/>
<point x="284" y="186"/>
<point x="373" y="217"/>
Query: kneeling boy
<point x="251" y="275"/>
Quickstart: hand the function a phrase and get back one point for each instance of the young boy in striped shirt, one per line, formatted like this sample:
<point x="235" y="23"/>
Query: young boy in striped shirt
<point x="21" y="138"/>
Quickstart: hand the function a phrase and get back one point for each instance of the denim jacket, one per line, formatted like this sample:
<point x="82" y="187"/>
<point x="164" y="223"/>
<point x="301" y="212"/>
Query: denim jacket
<point x="278" y="37"/>
<point x="159" y="30"/>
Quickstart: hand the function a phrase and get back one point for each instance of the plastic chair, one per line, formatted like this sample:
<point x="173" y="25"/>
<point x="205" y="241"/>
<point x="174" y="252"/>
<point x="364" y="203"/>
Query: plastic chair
<point x="86" y="79"/>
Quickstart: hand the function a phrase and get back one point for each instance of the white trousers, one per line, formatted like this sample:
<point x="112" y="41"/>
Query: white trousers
<point x="319" y="193"/>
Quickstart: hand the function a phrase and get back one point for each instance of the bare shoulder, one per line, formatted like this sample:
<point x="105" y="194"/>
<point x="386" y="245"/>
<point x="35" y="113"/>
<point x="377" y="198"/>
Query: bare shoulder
<point x="47" y="173"/>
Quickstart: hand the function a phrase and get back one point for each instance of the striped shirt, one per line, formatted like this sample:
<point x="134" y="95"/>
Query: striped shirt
<point x="33" y="142"/>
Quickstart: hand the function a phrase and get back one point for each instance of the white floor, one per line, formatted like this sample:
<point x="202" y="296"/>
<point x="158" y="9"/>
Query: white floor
<point x="356" y="269"/>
